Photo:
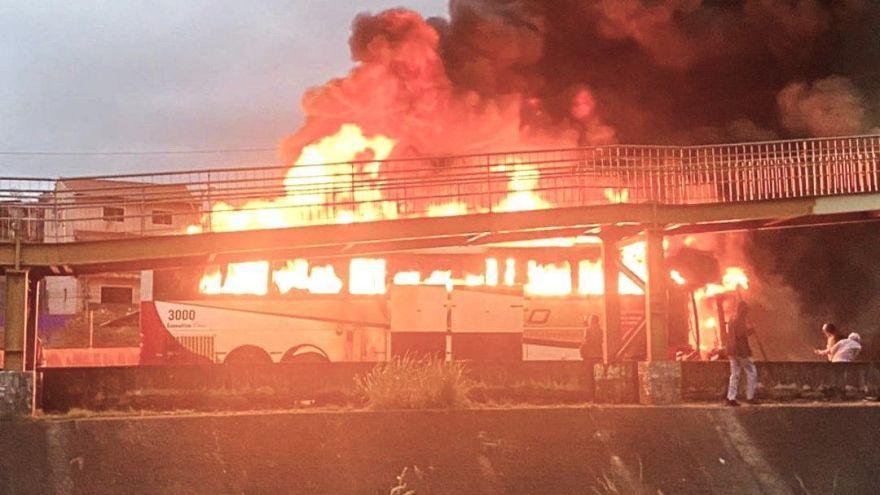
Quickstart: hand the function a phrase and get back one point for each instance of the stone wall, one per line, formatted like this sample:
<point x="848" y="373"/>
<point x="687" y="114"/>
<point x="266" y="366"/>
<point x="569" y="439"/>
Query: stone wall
<point x="16" y="393"/>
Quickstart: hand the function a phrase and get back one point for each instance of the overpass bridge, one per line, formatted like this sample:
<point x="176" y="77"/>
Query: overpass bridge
<point x="369" y="207"/>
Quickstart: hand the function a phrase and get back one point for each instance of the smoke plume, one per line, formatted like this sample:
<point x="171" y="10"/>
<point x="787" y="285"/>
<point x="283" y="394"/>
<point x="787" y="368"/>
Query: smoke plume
<point x="513" y="74"/>
<point x="828" y="107"/>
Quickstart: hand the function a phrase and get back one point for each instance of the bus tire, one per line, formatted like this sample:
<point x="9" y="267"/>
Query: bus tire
<point x="305" y="354"/>
<point x="248" y="354"/>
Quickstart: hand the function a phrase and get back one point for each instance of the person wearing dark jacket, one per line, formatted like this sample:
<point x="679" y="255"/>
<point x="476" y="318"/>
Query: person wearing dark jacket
<point x="591" y="346"/>
<point x="740" y="355"/>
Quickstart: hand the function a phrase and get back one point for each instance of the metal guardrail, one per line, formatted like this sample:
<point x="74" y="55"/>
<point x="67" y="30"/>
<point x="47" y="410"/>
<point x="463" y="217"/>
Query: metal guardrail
<point x="75" y="208"/>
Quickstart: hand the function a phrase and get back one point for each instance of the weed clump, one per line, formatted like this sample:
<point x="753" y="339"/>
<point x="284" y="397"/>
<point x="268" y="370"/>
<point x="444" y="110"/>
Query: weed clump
<point x="415" y="383"/>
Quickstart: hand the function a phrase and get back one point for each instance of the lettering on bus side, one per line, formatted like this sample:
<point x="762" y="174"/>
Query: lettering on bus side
<point x="181" y="315"/>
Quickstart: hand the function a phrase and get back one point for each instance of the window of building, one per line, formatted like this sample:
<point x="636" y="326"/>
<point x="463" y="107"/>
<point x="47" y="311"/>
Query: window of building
<point x="113" y="213"/>
<point x="162" y="217"/>
<point x="116" y="295"/>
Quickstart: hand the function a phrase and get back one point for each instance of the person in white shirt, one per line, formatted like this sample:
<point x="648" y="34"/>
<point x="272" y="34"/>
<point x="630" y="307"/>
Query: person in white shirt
<point x="844" y="350"/>
<point x="847" y="350"/>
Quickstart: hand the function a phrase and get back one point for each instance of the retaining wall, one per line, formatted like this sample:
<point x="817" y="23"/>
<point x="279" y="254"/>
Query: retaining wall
<point x="595" y="449"/>
<point x="277" y="386"/>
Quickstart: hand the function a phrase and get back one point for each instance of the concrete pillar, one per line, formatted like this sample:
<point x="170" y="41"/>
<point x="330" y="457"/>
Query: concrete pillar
<point x="33" y="319"/>
<point x="17" y="315"/>
<point x="16" y="384"/>
<point x="656" y="297"/>
<point x="611" y="297"/>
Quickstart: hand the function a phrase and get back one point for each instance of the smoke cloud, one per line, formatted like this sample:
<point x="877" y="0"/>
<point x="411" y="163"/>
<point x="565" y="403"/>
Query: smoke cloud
<point x="514" y="74"/>
<point x="827" y="107"/>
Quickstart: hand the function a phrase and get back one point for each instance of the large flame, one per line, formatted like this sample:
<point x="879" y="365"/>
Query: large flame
<point x="298" y="275"/>
<point x="241" y="278"/>
<point x="319" y="187"/>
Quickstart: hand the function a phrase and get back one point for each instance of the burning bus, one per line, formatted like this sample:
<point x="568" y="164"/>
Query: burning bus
<point x="477" y="305"/>
<point x="493" y="301"/>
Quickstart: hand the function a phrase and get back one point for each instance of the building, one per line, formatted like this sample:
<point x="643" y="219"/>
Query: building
<point x="20" y="219"/>
<point x="98" y="209"/>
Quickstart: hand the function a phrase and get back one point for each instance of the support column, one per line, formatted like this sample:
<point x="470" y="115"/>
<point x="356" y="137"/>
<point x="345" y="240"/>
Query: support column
<point x="656" y="298"/>
<point x="611" y="296"/>
<point x="33" y="321"/>
<point x="17" y="315"/>
<point x="659" y="378"/>
<point x="16" y="384"/>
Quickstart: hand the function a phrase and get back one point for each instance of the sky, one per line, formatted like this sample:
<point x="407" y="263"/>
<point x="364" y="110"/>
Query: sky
<point x="114" y="76"/>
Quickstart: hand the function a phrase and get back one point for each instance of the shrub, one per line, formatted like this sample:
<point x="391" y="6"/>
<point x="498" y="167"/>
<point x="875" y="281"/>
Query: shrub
<point x="415" y="383"/>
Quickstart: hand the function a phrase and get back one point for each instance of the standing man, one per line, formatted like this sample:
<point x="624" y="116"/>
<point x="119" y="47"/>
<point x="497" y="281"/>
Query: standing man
<point x="740" y="355"/>
<point x="591" y="346"/>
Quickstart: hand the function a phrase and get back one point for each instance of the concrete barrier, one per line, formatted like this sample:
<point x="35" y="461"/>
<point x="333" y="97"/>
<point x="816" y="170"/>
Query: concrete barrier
<point x="595" y="449"/>
<point x="782" y="381"/>
<point x="278" y="386"/>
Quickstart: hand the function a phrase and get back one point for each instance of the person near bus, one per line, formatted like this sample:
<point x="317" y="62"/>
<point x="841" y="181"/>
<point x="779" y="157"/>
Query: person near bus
<point x="740" y="356"/>
<point x="832" y="336"/>
<point x="839" y="349"/>
<point x="591" y="346"/>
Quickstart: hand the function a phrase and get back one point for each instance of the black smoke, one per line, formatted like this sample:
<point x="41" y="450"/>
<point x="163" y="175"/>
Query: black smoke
<point x="680" y="71"/>
<point x="692" y="72"/>
<point x="507" y="74"/>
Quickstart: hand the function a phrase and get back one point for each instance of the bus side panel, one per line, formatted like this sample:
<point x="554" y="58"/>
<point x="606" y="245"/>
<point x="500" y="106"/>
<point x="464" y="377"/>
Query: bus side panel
<point x="418" y="344"/>
<point x="554" y="326"/>
<point x="418" y="320"/>
<point x="486" y="325"/>
<point x="158" y="345"/>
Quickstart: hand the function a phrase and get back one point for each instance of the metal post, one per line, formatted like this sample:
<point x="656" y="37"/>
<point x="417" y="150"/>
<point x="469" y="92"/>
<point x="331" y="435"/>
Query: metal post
<point x="656" y="297"/>
<point x="33" y="323"/>
<point x="91" y="328"/>
<point x="697" y="336"/>
<point x="611" y="297"/>
<point x="17" y="312"/>
<point x="210" y="226"/>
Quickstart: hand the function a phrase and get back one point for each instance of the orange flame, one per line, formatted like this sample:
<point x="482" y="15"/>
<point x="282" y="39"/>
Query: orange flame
<point x="367" y="276"/>
<point x="319" y="187"/>
<point x="297" y="274"/>
<point x="241" y="278"/>
<point x="617" y="195"/>
<point x="548" y="280"/>
<point x="677" y="278"/>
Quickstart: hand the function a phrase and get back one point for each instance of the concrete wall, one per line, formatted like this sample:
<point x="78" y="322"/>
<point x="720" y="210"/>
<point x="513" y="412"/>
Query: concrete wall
<point x="220" y="387"/>
<point x="273" y="386"/>
<point x="786" y="380"/>
<point x="598" y="449"/>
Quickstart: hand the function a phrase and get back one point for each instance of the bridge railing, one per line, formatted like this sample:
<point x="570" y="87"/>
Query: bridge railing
<point x="96" y="207"/>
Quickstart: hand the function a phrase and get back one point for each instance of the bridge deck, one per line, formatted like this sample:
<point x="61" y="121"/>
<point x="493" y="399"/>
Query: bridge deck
<point x="373" y="207"/>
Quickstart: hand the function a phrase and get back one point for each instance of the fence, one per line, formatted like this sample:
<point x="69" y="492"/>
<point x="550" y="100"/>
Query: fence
<point x="283" y="196"/>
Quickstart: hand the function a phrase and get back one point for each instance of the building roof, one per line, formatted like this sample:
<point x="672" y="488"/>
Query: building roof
<point x="94" y="188"/>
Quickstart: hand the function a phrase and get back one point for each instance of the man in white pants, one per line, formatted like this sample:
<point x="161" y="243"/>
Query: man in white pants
<point x="740" y="355"/>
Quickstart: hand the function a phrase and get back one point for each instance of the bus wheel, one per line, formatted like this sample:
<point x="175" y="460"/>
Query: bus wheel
<point x="248" y="354"/>
<point x="304" y="355"/>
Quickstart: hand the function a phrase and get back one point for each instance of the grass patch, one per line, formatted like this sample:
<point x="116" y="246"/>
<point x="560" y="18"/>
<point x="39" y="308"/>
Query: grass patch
<point x="415" y="383"/>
